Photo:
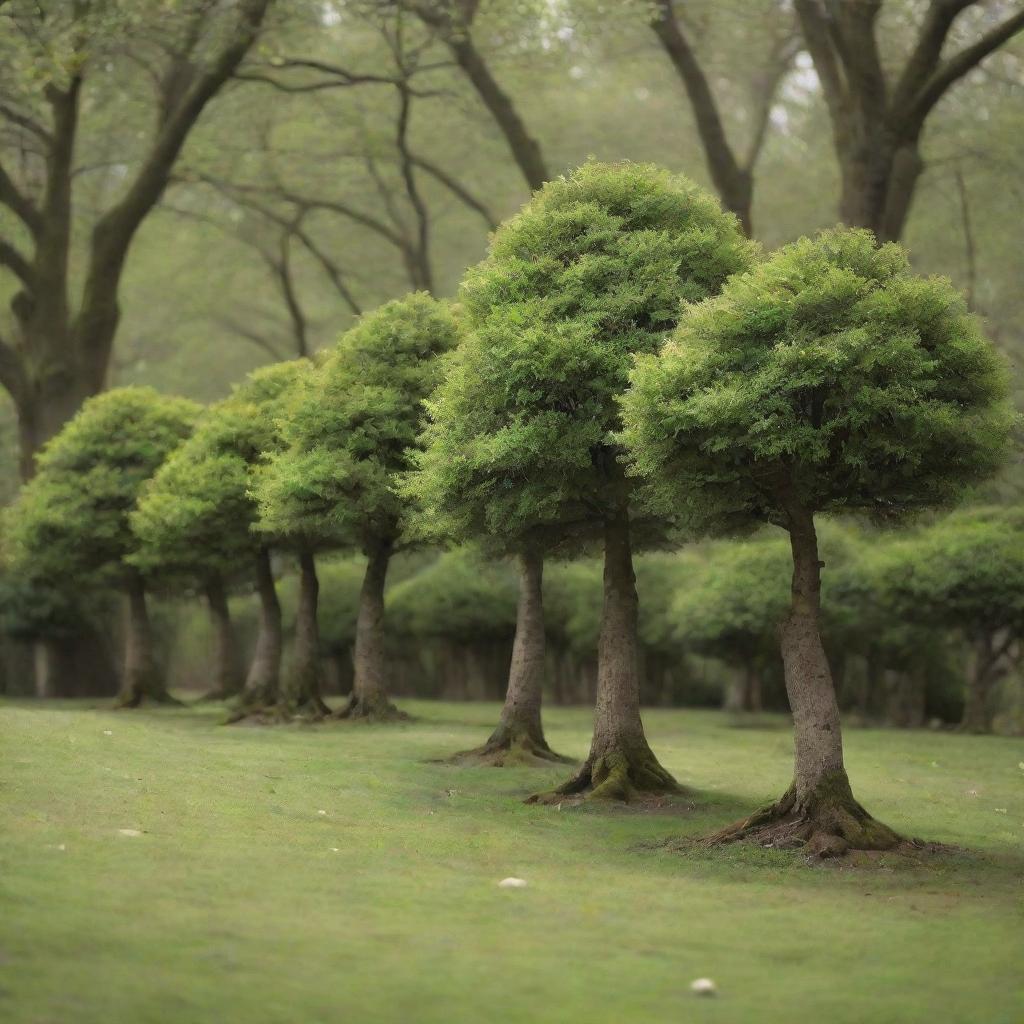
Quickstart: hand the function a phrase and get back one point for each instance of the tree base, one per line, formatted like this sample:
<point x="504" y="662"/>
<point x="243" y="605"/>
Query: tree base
<point x="510" y="748"/>
<point x="827" y="823"/>
<point x="615" y="774"/>
<point x="136" y="699"/>
<point x="380" y="709"/>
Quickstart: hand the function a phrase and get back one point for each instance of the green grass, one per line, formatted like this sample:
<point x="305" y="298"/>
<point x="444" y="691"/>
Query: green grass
<point x="241" y="901"/>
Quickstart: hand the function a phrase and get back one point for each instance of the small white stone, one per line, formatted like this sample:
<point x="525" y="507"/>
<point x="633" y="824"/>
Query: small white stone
<point x="129" y="832"/>
<point x="334" y="849"/>
<point x="512" y="883"/>
<point x="321" y="812"/>
<point x="1000" y="810"/>
<point x="703" y="987"/>
<point x="108" y="732"/>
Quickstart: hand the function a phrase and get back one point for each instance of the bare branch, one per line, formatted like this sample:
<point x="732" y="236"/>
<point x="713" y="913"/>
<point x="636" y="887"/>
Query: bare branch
<point x="456" y="188"/>
<point x="960" y="64"/>
<point x="19" y="204"/>
<point x="15" y="262"/>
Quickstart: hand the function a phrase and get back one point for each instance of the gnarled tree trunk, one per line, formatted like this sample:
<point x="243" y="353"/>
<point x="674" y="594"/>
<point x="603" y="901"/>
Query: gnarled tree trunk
<point x="228" y="675"/>
<point x="261" y="696"/>
<point x="142" y="679"/>
<point x="369" y="698"/>
<point x="818" y="810"/>
<point x="620" y="763"/>
<point x="519" y="737"/>
<point x="305" y="683"/>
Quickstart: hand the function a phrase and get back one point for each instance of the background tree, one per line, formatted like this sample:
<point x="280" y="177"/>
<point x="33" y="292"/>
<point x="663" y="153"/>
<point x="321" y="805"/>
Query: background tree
<point x="591" y="271"/>
<point x="71" y="526"/>
<point x="347" y="438"/>
<point x="829" y="378"/>
<point x="878" y="114"/>
<point x="53" y="55"/>
<point x="966" y="573"/>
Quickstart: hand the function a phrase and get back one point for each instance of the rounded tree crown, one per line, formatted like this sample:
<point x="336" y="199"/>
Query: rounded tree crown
<point x="349" y="433"/>
<point x="594" y="269"/>
<point x="195" y="517"/>
<point x="829" y="375"/>
<point x="71" y="520"/>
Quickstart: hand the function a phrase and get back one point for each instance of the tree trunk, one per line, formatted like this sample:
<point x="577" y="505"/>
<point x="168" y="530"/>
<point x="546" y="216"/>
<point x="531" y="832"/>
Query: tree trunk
<point x="141" y="680"/>
<point x="369" y="700"/>
<point x="305" y="690"/>
<point x="260" y="697"/>
<point x="879" y="177"/>
<point x="818" y="810"/>
<point x="519" y="737"/>
<point x="228" y="675"/>
<point x="977" y="717"/>
<point x="620" y="763"/>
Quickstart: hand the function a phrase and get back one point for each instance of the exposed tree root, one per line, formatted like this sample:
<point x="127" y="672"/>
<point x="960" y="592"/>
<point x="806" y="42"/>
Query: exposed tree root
<point x="614" y="775"/>
<point x="828" y="822"/>
<point x="379" y="709"/>
<point x="510" y="748"/>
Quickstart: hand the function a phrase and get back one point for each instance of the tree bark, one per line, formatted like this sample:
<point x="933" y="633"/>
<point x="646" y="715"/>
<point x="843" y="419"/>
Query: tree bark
<point x="305" y="689"/>
<point x="369" y="700"/>
<point x="228" y="675"/>
<point x="261" y="695"/>
<point x="818" y="810"/>
<point x="620" y="764"/>
<point x="519" y="737"/>
<point x="142" y="680"/>
<point x="977" y="717"/>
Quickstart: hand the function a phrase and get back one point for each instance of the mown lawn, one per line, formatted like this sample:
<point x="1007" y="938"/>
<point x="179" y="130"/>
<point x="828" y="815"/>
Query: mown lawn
<point x="331" y="874"/>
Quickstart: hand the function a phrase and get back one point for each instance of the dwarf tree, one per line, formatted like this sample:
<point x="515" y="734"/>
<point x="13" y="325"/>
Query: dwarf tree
<point x="592" y="270"/>
<point x="827" y="379"/>
<point x="966" y="573"/>
<point x="194" y="521"/>
<point x="348" y="437"/>
<point x="71" y="524"/>
<point x="195" y="518"/>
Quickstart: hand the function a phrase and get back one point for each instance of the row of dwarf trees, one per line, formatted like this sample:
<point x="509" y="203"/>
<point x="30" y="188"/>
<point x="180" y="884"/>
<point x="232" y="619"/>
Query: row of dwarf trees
<point x="144" y="491"/>
<point x="630" y="370"/>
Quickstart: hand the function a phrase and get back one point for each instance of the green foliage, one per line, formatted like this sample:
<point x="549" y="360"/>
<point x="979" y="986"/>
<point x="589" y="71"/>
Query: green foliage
<point x="460" y="597"/>
<point x="349" y="433"/>
<point x="70" y="525"/>
<point x="732" y="606"/>
<point x="594" y="269"/>
<point x="829" y="370"/>
<point x="965" y="572"/>
<point x="195" y="517"/>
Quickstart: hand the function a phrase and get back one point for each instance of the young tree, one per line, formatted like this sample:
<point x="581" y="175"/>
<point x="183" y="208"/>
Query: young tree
<point x="195" y="518"/>
<point x="966" y="573"/>
<point x="593" y="269"/>
<point x="347" y="438"/>
<point x="827" y="379"/>
<point x="71" y="526"/>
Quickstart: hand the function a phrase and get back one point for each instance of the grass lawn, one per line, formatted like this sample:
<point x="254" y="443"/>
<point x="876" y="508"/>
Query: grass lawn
<point x="329" y="874"/>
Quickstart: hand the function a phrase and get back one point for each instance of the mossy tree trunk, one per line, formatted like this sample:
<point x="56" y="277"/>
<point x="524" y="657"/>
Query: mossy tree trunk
<point x="369" y="698"/>
<point x="620" y="763"/>
<point x="519" y="737"/>
<point x="305" y="689"/>
<point x="142" y="680"/>
<point x="818" y="810"/>
<point x="229" y="676"/>
<point x="261" y="694"/>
